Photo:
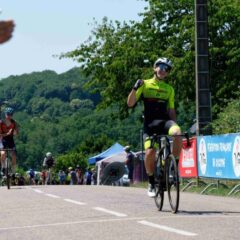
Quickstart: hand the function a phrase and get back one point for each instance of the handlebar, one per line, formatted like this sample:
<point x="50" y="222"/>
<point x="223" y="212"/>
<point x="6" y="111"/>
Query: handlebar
<point x="156" y="137"/>
<point x="7" y="149"/>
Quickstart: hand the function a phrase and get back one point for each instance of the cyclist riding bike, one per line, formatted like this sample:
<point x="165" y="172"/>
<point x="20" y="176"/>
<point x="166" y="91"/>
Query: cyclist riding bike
<point x="9" y="127"/>
<point x="48" y="163"/>
<point x="158" y="98"/>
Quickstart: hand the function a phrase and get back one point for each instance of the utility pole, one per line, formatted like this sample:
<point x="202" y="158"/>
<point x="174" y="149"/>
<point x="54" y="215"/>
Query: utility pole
<point x="203" y="93"/>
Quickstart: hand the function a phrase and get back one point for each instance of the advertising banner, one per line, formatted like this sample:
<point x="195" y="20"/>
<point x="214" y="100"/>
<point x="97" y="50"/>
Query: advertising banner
<point x="219" y="156"/>
<point x="188" y="159"/>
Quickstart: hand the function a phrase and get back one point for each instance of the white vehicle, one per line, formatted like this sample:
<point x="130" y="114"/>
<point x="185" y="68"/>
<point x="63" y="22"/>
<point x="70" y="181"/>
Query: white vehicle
<point x="124" y="180"/>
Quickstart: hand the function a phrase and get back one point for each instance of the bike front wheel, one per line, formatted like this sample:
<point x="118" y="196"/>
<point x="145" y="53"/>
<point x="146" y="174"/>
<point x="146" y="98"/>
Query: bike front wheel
<point x="159" y="198"/>
<point x="172" y="182"/>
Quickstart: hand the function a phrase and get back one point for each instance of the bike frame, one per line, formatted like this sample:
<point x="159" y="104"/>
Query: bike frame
<point x="166" y="171"/>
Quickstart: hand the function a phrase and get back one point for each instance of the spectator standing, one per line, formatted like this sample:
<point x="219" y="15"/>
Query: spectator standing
<point x="94" y="176"/>
<point x="79" y="176"/>
<point x="62" y="177"/>
<point x="31" y="177"/>
<point x="129" y="162"/>
<point x="43" y="177"/>
<point x="20" y="180"/>
<point x="88" y="177"/>
<point x="73" y="176"/>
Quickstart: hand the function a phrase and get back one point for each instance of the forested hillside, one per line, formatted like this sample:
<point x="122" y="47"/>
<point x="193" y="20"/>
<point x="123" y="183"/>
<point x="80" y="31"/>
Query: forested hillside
<point x="57" y="114"/>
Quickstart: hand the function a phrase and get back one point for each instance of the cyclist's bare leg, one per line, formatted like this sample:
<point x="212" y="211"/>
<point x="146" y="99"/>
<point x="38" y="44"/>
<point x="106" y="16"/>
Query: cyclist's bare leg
<point x="3" y="160"/>
<point x="150" y="165"/>
<point x="32" y="181"/>
<point x="14" y="161"/>
<point x="46" y="179"/>
<point x="177" y="141"/>
<point x="149" y="160"/>
<point x="177" y="146"/>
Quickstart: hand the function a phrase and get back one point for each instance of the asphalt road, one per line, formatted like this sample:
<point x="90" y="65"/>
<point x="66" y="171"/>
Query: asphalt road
<point x="102" y="213"/>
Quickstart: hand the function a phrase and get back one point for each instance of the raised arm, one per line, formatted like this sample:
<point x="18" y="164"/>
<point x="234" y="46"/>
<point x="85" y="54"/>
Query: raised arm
<point x="131" y="101"/>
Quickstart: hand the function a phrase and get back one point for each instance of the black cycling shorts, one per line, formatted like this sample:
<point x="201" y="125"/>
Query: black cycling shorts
<point x="157" y="127"/>
<point x="8" y="143"/>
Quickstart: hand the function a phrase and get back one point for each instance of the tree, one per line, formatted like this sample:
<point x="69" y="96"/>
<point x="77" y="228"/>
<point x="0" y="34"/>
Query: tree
<point x="118" y="54"/>
<point x="228" y="120"/>
<point x="63" y="162"/>
<point x="224" y="32"/>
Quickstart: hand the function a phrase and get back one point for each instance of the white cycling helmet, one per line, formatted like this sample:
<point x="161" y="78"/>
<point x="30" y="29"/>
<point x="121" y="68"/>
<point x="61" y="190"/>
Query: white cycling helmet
<point x="48" y="154"/>
<point x="127" y="148"/>
<point x="163" y="60"/>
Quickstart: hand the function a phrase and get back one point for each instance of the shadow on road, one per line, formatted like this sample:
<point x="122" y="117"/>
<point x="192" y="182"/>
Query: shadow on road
<point x="207" y="212"/>
<point x="13" y="188"/>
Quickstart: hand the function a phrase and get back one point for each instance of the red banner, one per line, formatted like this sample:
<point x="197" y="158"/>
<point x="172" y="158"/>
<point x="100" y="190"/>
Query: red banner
<point x="188" y="159"/>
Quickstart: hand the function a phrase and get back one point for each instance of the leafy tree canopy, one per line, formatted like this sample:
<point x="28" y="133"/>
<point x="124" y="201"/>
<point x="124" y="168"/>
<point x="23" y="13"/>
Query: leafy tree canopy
<point x="228" y="120"/>
<point x="117" y="54"/>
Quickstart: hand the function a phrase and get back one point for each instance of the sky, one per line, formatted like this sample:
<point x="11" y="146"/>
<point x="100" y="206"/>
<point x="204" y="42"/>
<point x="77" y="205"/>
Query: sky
<point x="50" y="27"/>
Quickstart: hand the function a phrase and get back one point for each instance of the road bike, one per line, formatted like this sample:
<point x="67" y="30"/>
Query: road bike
<point x="166" y="174"/>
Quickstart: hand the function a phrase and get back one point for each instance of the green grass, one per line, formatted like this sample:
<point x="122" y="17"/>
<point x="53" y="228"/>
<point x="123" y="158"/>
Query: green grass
<point x="140" y="185"/>
<point x="211" y="187"/>
<point x="218" y="188"/>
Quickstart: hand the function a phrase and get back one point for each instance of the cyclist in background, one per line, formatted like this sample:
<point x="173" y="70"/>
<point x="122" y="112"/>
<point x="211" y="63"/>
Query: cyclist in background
<point x="48" y="163"/>
<point x="9" y="127"/>
<point x="158" y="98"/>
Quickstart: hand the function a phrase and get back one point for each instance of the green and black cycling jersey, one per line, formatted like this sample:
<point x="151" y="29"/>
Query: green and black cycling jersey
<point x="158" y="98"/>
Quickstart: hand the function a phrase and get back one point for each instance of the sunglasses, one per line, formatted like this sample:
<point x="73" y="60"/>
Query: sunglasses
<point x="164" y="67"/>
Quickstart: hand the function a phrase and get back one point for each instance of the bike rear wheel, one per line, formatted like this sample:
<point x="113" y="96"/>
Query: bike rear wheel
<point x="172" y="181"/>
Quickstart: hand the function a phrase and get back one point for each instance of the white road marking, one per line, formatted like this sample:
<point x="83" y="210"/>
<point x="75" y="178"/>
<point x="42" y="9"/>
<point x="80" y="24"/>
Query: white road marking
<point x="70" y="223"/>
<point x="165" y="228"/>
<point x="110" y="212"/>
<point x="52" y="195"/>
<point x="73" y="201"/>
<point x="37" y="190"/>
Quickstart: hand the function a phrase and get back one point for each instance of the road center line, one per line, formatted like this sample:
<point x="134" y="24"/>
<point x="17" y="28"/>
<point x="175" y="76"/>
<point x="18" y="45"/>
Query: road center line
<point x="165" y="228"/>
<point x="52" y="195"/>
<point x="75" y="202"/>
<point x="68" y="223"/>
<point x="37" y="190"/>
<point x="110" y="212"/>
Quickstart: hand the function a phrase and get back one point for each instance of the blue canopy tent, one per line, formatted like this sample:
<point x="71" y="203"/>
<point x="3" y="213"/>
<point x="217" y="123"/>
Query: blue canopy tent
<point x="114" y="149"/>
